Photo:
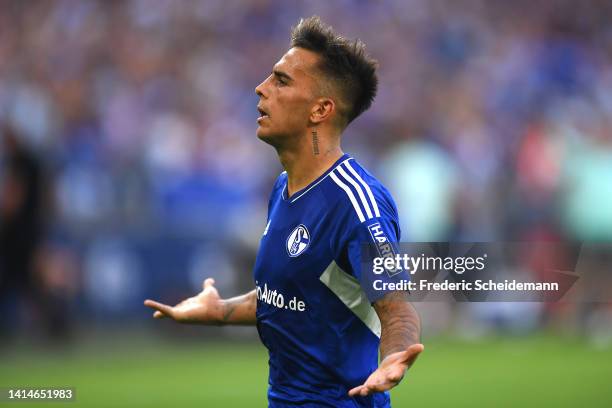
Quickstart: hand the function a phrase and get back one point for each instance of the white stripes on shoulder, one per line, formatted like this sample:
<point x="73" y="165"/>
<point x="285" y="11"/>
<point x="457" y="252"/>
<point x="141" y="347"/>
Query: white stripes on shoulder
<point x="359" y="191"/>
<point x="350" y="194"/>
<point x="367" y="188"/>
<point x="357" y="182"/>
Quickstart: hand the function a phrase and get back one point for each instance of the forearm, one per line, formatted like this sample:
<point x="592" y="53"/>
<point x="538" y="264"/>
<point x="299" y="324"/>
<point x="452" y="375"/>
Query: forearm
<point x="239" y="310"/>
<point x="400" y="323"/>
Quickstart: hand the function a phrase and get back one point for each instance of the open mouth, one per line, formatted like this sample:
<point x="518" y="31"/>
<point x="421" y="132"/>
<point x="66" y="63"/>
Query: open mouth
<point x="262" y="113"/>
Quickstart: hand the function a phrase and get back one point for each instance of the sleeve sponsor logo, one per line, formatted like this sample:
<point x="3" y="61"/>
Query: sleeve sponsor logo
<point x="383" y="245"/>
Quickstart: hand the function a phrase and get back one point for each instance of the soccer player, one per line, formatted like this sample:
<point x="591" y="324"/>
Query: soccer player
<point x="315" y="309"/>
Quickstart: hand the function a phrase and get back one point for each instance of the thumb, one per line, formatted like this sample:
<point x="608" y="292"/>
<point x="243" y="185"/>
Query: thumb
<point x="208" y="283"/>
<point x="416" y="348"/>
<point x="413" y="352"/>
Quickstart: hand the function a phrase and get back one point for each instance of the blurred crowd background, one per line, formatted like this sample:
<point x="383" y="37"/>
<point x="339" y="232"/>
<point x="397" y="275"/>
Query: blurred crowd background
<point x="131" y="170"/>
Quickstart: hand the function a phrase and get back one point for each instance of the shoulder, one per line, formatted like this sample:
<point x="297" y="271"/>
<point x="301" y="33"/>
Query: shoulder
<point x="359" y="195"/>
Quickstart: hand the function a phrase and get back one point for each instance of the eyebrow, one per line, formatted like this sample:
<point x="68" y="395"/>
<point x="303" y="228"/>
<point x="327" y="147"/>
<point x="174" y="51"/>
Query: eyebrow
<point x="281" y="74"/>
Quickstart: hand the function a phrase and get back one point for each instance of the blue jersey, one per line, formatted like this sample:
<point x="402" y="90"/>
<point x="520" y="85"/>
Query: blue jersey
<point x="314" y="304"/>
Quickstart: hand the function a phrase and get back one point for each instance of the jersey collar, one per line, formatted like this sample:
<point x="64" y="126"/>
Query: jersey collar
<point x="310" y="186"/>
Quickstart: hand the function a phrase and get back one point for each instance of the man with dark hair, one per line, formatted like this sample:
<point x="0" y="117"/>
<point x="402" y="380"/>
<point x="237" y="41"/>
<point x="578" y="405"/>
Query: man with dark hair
<point x="349" y="72"/>
<point x="316" y="309"/>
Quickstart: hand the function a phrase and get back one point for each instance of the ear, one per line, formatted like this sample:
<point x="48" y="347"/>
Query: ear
<point x="322" y="110"/>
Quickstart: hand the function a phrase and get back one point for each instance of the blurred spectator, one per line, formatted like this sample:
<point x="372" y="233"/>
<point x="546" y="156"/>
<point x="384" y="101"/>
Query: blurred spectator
<point x="21" y="223"/>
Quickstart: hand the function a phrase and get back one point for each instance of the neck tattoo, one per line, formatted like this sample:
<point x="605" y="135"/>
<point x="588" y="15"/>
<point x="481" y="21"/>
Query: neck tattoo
<point x="315" y="142"/>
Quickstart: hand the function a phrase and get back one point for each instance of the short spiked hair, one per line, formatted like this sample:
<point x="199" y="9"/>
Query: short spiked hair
<point x="343" y="61"/>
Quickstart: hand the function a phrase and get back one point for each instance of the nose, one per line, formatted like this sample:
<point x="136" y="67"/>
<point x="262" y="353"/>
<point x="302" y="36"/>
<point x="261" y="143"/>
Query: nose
<point x="259" y="89"/>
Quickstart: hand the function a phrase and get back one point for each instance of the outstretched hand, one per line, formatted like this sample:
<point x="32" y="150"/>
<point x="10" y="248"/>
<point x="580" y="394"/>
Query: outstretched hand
<point x="204" y="308"/>
<point x="389" y="373"/>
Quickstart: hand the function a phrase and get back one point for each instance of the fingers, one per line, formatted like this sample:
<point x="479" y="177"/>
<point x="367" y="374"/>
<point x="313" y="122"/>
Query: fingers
<point x="161" y="310"/>
<point x="416" y="348"/>
<point x="365" y="390"/>
<point x="413" y="352"/>
<point x="357" y="391"/>
<point x="372" y="385"/>
<point x="208" y="283"/>
<point x="385" y="378"/>
<point x="407" y="356"/>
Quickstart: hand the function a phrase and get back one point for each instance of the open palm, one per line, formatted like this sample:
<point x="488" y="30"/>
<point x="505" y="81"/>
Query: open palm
<point x="389" y="373"/>
<point x="203" y="308"/>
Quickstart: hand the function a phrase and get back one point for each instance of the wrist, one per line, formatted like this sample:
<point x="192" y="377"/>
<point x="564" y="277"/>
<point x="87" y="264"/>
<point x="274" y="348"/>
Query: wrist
<point x="222" y="314"/>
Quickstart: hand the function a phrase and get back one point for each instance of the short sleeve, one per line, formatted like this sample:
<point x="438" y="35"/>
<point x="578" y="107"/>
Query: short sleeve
<point x="377" y="237"/>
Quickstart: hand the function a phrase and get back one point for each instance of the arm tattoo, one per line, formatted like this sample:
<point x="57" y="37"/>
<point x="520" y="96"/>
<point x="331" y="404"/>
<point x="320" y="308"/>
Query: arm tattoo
<point x="399" y="321"/>
<point x="229" y="311"/>
<point x="240" y="310"/>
